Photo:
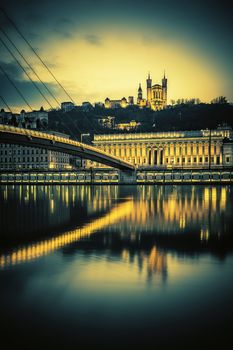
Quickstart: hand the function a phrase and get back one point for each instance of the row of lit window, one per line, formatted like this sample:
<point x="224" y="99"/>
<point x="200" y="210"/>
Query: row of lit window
<point x="132" y="151"/>
<point x="23" y="166"/>
<point x="23" y="159"/>
<point x="9" y="151"/>
<point x="184" y="160"/>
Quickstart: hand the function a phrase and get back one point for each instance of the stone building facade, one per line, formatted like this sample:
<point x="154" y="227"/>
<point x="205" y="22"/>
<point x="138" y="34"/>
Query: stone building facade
<point x="175" y="149"/>
<point x="17" y="157"/>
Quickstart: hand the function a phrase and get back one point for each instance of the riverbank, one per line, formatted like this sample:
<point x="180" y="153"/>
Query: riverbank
<point x="115" y="177"/>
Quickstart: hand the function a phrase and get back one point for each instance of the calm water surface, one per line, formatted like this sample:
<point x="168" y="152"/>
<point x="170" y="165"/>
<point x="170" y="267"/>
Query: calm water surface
<point x="117" y="267"/>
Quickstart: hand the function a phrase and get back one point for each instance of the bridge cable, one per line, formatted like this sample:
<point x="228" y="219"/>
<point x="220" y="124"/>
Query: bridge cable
<point x="16" y="88"/>
<point x="40" y="59"/>
<point x="5" y="103"/>
<point x="34" y="51"/>
<point x="37" y="87"/>
<point x="69" y="130"/>
<point x="30" y="66"/>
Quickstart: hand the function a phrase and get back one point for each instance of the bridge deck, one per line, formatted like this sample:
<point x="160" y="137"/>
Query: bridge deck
<point x="32" y="138"/>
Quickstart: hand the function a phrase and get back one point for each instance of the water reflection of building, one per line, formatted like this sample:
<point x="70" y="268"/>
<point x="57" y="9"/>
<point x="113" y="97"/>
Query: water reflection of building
<point x="131" y="213"/>
<point x="154" y="262"/>
<point x="176" y="209"/>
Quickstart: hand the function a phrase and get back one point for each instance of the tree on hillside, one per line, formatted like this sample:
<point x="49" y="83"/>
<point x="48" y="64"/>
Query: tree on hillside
<point x="219" y="100"/>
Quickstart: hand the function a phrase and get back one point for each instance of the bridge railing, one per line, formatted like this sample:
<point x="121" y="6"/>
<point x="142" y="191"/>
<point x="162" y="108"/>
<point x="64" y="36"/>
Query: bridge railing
<point x="39" y="134"/>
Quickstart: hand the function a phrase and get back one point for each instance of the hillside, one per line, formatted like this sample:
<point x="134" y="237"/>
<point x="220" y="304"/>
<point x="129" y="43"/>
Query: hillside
<point x="182" y="117"/>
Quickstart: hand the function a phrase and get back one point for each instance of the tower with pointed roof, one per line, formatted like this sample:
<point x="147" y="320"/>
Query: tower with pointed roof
<point x="156" y="94"/>
<point x="148" y="89"/>
<point x="139" y="94"/>
<point x="164" y="90"/>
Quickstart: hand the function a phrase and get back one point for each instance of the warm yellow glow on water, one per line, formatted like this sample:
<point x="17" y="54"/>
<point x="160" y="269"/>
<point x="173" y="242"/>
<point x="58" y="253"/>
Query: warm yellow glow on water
<point x="172" y="211"/>
<point x="47" y="246"/>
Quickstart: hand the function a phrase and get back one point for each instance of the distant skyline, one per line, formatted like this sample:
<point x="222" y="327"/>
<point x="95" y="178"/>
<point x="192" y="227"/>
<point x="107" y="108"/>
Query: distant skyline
<point x="105" y="49"/>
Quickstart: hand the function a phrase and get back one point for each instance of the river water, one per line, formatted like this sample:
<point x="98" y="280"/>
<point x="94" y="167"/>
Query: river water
<point x="116" y="267"/>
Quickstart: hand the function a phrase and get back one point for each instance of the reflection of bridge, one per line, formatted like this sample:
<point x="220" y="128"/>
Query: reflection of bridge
<point x="31" y="138"/>
<point x="38" y="249"/>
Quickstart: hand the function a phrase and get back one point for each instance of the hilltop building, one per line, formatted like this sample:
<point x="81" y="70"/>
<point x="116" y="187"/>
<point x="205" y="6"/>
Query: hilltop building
<point x="156" y="95"/>
<point x="33" y="119"/>
<point x="132" y="125"/>
<point x="67" y="106"/>
<point x="107" y="122"/>
<point x="115" y="103"/>
<point x="87" y="106"/>
<point x="5" y="117"/>
<point x="141" y="102"/>
<point x="156" y="98"/>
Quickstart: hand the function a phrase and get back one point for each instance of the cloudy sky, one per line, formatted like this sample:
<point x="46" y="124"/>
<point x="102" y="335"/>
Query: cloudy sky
<point x="105" y="48"/>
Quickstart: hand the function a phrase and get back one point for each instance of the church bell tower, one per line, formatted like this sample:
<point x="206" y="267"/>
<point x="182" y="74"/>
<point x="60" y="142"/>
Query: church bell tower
<point x="148" y="89"/>
<point x="164" y="90"/>
<point x="139" y="94"/>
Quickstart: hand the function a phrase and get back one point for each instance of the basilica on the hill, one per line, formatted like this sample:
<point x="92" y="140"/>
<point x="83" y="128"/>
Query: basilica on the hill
<point x="156" y="97"/>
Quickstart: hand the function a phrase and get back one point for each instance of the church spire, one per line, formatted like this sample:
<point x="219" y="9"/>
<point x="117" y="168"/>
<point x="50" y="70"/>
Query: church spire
<point x="139" y="93"/>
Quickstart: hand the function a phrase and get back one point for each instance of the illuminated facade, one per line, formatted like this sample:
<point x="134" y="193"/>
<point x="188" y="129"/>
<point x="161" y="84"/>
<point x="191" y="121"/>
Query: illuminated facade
<point x="140" y="100"/>
<point x="132" y="125"/>
<point x="176" y="149"/>
<point x="17" y="157"/>
<point x="115" y="103"/>
<point x="156" y="95"/>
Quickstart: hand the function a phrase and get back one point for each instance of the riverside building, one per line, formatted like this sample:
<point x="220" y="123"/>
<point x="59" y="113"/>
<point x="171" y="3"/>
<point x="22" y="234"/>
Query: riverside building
<point x="175" y="149"/>
<point x="17" y="157"/>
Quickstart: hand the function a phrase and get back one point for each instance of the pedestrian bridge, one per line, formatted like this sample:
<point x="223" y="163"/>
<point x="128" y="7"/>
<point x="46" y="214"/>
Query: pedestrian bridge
<point x="32" y="138"/>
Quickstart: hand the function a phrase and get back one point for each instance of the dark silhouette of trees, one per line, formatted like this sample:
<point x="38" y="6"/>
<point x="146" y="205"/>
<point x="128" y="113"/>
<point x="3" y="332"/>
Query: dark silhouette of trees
<point x="219" y="100"/>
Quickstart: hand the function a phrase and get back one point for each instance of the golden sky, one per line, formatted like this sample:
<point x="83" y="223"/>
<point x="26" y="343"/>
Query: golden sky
<point x="103" y="49"/>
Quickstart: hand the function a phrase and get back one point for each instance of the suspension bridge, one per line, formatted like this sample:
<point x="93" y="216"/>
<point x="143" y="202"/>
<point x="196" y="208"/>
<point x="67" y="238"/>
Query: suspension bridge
<point x="32" y="138"/>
